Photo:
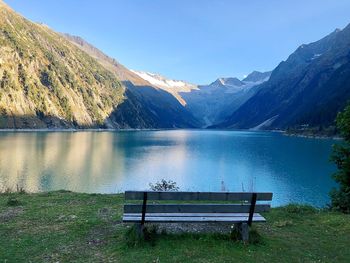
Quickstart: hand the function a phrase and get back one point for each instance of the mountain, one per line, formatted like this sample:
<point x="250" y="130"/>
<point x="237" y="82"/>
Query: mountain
<point x="211" y="103"/>
<point x="121" y="72"/>
<point x="161" y="103"/>
<point x="257" y="76"/>
<point x="214" y="102"/>
<point x="48" y="80"/>
<point x="308" y="89"/>
<point x="52" y="80"/>
<point x="228" y="82"/>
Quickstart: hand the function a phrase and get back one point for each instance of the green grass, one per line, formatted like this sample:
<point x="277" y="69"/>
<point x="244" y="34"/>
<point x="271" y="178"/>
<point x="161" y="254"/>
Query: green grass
<point x="70" y="227"/>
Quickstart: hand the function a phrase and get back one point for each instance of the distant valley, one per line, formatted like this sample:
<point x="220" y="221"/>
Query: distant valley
<point x="210" y="103"/>
<point x="196" y="106"/>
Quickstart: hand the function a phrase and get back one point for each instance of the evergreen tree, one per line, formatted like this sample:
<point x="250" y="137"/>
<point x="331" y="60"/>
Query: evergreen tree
<point x="341" y="156"/>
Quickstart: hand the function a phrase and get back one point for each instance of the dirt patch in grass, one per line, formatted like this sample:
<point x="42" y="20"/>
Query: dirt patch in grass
<point x="99" y="235"/>
<point x="10" y="213"/>
<point x="106" y="213"/>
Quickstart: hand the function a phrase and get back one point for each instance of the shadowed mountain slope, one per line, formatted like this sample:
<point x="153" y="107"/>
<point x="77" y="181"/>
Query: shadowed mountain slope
<point x="309" y="88"/>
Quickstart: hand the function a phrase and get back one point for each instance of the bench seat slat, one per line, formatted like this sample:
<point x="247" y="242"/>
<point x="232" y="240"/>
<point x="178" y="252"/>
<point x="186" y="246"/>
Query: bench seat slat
<point x="197" y="219"/>
<point x="195" y="208"/>
<point x="197" y="196"/>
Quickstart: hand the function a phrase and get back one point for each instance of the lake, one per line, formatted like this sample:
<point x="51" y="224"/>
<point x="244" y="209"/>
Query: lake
<point x="295" y="169"/>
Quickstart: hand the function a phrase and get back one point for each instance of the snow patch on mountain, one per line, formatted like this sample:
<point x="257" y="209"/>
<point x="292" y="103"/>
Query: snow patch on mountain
<point x="174" y="87"/>
<point x="316" y="56"/>
<point x="163" y="82"/>
<point x="265" y="124"/>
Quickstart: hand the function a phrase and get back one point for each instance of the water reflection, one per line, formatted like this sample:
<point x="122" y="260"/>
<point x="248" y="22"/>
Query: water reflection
<point x="295" y="169"/>
<point x="45" y="161"/>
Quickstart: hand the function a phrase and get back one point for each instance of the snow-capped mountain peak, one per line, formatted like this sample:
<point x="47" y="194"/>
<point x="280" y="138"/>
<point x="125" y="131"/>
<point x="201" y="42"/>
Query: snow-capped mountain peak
<point x="210" y="103"/>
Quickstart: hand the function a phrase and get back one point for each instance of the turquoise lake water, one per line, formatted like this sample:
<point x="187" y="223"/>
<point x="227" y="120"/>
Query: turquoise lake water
<point x="294" y="169"/>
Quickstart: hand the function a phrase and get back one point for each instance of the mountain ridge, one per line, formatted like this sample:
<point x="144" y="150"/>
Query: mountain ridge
<point x="309" y="88"/>
<point x="109" y="63"/>
<point x="208" y="103"/>
<point x="167" y="111"/>
<point x="47" y="82"/>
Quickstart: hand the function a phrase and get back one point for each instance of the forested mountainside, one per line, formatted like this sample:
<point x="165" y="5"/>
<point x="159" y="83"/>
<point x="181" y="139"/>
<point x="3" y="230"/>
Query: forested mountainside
<point x="308" y="89"/>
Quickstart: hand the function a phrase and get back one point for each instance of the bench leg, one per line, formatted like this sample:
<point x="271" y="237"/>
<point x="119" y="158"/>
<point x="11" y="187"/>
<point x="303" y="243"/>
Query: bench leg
<point x="243" y="230"/>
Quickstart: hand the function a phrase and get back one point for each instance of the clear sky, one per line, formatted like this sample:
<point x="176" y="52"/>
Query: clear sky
<point x="193" y="40"/>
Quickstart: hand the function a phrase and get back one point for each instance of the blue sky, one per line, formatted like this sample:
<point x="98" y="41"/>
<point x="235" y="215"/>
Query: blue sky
<point x="193" y="40"/>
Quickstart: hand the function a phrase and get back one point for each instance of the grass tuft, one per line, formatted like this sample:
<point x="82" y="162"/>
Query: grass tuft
<point x="134" y="239"/>
<point x="300" y="209"/>
<point x="63" y="191"/>
<point x="12" y="201"/>
<point x="234" y="234"/>
<point x="254" y="237"/>
<point x="283" y="223"/>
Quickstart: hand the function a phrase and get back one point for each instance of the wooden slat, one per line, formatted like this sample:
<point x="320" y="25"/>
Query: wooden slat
<point x="197" y="196"/>
<point x="197" y="219"/>
<point x="191" y="214"/>
<point x="195" y="208"/>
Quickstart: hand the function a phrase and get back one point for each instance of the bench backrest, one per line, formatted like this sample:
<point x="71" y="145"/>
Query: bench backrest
<point x="242" y="202"/>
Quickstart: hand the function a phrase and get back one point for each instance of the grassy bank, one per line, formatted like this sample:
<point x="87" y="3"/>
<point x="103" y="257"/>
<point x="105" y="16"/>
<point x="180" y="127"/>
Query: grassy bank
<point x="70" y="227"/>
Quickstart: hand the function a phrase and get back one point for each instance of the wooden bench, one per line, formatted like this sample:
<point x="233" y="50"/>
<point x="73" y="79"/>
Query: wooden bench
<point x="241" y="209"/>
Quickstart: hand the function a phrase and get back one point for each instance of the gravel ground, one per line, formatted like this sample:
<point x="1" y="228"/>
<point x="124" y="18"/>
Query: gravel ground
<point x="177" y="228"/>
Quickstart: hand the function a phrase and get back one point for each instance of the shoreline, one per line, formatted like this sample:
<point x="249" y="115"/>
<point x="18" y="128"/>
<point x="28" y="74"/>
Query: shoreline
<point x="283" y="132"/>
<point x="335" y="137"/>
<point x="130" y="129"/>
<point x="75" y="130"/>
<point x="312" y="136"/>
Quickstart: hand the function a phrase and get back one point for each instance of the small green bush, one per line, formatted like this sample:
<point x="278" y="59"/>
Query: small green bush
<point x="299" y="209"/>
<point x="164" y="185"/>
<point x="254" y="237"/>
<point x="234" y="234"/>
<point x="12" y="201"/>
<point x="148" y="237"/>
